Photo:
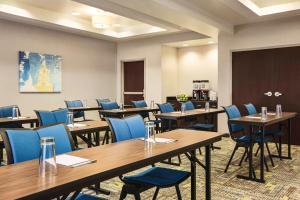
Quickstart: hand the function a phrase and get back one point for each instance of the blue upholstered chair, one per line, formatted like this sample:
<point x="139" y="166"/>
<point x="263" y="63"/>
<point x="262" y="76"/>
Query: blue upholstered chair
<point x="23" y="145"/>
<point x="275" y="134"/>
<point x="237" y="134"/>
<point x="99" y="101"/>
<point x="7" y="111"/>
<point x="47" y="118"/>
<point x="76" y="103"/>
<point x="143" y="104"/>
<point x="166" y="108"/>
<point x="109" y="105"/>
<point x="133" y="127"/>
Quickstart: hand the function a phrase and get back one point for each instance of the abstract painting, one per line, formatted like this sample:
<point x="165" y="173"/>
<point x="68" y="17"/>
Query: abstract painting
<point x="39" y="72"/>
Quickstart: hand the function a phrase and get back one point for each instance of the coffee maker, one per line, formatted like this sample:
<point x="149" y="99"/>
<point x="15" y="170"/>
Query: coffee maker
<point x="201" y="90"/>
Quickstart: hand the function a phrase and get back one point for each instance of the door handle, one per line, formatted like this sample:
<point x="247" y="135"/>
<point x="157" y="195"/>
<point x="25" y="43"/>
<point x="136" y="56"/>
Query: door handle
<point x="277" y="94"/>
<point x="269" y="94"/>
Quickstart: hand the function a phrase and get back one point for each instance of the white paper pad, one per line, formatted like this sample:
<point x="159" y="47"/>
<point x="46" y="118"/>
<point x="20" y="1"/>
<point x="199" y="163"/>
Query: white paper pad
<point x="271" y="113"/>
<point x="76" y="125"/>
<point x="253" y="117"/>
<point x="176" y="112"/>
<point x="17" y="118"/>
<point x="160" y="140"/>
<point x="72" y="161"/>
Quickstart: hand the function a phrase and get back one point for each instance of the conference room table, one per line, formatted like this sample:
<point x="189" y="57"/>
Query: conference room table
<point x="87" y="108"/>
<point x="82" y="128"/>
<point x="21" y="181"/>
<point x="180" y="117"/>
<point x="251" y="121"/>
<point x="21" y="120"/>
<point x="127" y="111"/>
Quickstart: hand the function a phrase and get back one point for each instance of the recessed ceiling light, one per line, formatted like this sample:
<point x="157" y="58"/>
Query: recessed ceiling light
<point x="75" y="13"/>
<point x="185" y="45"/>
<point x="117" y="25"/>
<point x="210" y="42"/>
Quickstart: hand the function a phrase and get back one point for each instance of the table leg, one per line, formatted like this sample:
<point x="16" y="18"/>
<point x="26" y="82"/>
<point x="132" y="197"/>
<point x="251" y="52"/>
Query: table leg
<point x="250" y="153"/>
<point x="97" y="138"/>
<point x="193" y="175"/>
<point x="170" y="124"/>
<point x="208" y="172"/>
<point x="262" y="156"/>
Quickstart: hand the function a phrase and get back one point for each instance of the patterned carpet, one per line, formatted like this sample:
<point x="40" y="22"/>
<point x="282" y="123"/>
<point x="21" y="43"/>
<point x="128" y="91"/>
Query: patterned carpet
<point x="282" y="182"/>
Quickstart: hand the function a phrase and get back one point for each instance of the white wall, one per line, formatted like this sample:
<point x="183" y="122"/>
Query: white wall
<point x="285" y="32"/>
<point x="197" y="63"/>
<point x="169" y="66"/>
<point x="88" y="68"/>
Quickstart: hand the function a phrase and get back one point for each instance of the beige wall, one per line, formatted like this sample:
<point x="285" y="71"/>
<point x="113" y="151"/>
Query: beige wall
<point x="279" y="33"/>
<point x="197" y="63"/>
<point x="88" y="69"/>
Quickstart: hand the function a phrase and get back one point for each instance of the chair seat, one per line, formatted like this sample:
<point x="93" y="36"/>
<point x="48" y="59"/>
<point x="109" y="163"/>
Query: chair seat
<point x="203" y="126"/>
<point x="82" y="196"/>
<point x="272" y="133"/>
<point x="246" y="139"/>
<point x="159" y="177"/>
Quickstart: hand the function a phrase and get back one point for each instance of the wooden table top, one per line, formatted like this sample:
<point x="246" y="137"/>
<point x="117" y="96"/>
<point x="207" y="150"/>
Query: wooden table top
<point x="129" y="110"/>
<point x="90" y="126"/>
<point x="74" y="109"/>
<point x="21" y="181"/>
<point x="272" y="118"/>
<point x="20" y="120"/>
<point x="190" y="113"/>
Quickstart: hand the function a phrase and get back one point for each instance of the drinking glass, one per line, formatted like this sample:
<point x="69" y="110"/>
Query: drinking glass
<point x="122" y="106"/>
<point x="278" y="110"/>
<point x="152" y="104"/>
<point x="207" y="106"/>
<point x="150" y="133"/>
<point x="85" y="103"/>
<point x="47" y="161"/>
<point x="15" y="112"/>
<point x="264" y="113"/>
<point x="182" y="108"/>
<point x="70" y="118"/>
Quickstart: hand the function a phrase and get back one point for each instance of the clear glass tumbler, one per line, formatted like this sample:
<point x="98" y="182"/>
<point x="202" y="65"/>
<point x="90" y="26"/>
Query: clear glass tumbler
<point x="278" y="110"/>
<point x="15" y="112"/>
<point x="85" y="103"/>
<point x="47" y="161"/>
<point x="152" y="104"/>
<point x="150" y="133"/>
<point x="182" y="108"/>
<point x="264" y="113"/>
<point x="207" y="106"/>
<point x="70" y="118"/>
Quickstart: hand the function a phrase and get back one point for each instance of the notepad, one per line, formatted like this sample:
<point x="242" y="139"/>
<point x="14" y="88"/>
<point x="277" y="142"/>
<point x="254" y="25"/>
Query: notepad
<point x="76" y="125"/>
<point x="271" y="113"/>
<point x="72" y="161"/>
<point x="253" y="117"/>
<point x="160" y="140"/>
<point x="17" y="118"/>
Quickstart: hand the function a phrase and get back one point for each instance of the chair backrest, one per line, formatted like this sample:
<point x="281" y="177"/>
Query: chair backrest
<point x="24" y="144"/>
<point x="141" y="104"/>
<point x="76" y="103"/>
<point x="233" y="112"/>
<point x="6" y="111"/>
<point x="250" y="109"/>
<point x="109" y="105"/>
<point x="165" y="107"/>
<point x="99" y="101"/>
<point x="47" y="118"/>
<point x="189" y="105"/>
<point x="127" y="128"/>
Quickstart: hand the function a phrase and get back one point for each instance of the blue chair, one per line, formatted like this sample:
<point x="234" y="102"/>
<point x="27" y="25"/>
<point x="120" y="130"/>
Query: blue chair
<point x="131" y="128"/>
<point x="109" y="105"/>
<point x="23" y="145"/>
<point x="7" y="111"/>
<point x="238" y="135"/>
<point x="269" y="133"/>
<point x="99" y="101"/>
<point x="143" y="104"/>
<point x="166" y="124"/>
<point x="47" y="118"/>
<point x="76" y="103"/>
<point x="165" y="107"/>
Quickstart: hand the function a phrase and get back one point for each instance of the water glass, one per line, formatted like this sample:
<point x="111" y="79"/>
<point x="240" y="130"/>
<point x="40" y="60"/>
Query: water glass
<point x="15" y="112"/>
<point x="278" y="110"/>
<point x="207" y="106"/>
<point x="264" y="113"/>
<point x="70" y="118"/>
<point x="47" y="159"/>
<point x="150" y="133"/>
<point x="182" y="108"/>
<point x="85" y="103"/>
<point x="152" y="104"/>
<point x="122" y="106"/>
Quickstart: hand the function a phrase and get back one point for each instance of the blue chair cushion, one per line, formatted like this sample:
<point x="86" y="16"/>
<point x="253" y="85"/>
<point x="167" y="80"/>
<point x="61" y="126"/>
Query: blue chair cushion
<point x="272" y="133"/>
<point x="189" y="105"/>
<point x="166" y="107"/>
<point x="61" y="115"/>
<point x="246" y="139"/>
<point x="157" y="176"/>
<point x="203" y="126"/>
<point x="6" y="111"/>
<point x="76" y="103"/>
<point x="120" y="129"/>
<point x="25" y="144"/>
<point x="233" y="112"/>
<point x="109" y="105"/>
<point x="136" y="126"/>
<point x="46" y="118"/>
<point x="139" y="104"/>
<point x="250" y="109"/>
<point x="99" y="101"/>
<point x="60" y="134"/>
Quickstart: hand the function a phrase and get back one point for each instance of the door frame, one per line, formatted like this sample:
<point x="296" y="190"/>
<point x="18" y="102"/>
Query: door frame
<point x="122" y="76"/>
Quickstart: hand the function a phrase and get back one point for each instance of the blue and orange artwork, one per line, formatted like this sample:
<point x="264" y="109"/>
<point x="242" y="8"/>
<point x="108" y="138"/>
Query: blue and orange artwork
<point x="39" y="72"/>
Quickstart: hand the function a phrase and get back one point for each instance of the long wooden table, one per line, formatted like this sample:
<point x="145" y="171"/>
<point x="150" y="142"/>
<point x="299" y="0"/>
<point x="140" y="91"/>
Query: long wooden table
<point x="88" y="128"/>
<point x="21" y="181"/>
<point x="127" y="111"/>
<point x="78" y="109"/>
<point x="20" y="120"/>
<point x="255" y="120"/>
<point x="180" y="117"/>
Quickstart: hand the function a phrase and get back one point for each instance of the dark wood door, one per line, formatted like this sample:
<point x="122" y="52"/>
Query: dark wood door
<point x="270" y="70"/>
<point x="133" y="81"/>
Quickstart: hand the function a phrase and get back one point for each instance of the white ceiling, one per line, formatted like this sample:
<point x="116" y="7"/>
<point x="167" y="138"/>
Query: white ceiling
<point x="144" y="18"/>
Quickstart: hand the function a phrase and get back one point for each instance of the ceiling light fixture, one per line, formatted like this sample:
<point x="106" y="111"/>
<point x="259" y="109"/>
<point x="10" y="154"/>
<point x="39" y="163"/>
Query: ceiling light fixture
<point x="117" y="25"/>
<point x="210" y="42"/>
<point x="185" y="45"/>
<point x="101" y="22"/>
<point x="75" y="13"/>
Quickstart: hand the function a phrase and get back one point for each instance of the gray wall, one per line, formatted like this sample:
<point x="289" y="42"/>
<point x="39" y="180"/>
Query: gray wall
<point x="88" y="69"/>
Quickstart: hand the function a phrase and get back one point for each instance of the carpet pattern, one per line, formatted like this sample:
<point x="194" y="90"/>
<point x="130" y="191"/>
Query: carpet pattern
<point x="282" y="182"/>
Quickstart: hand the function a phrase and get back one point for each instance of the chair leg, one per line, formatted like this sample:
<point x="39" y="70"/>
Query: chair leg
<point x="257" y="150"/>
<point x="270" y="156"/>
<point x="178" y="192"/>
<point x="155" y="193"/>
<point x="137" y="196"/>
<point x="234" y="150"/>
<point x="200" y="152"/>
<point x="75" y="140"/>
<point x="179" y="159"/>
<point x="266" y="164"/>
<point x="240" y="164"/>
<point x="123" y="193"/>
